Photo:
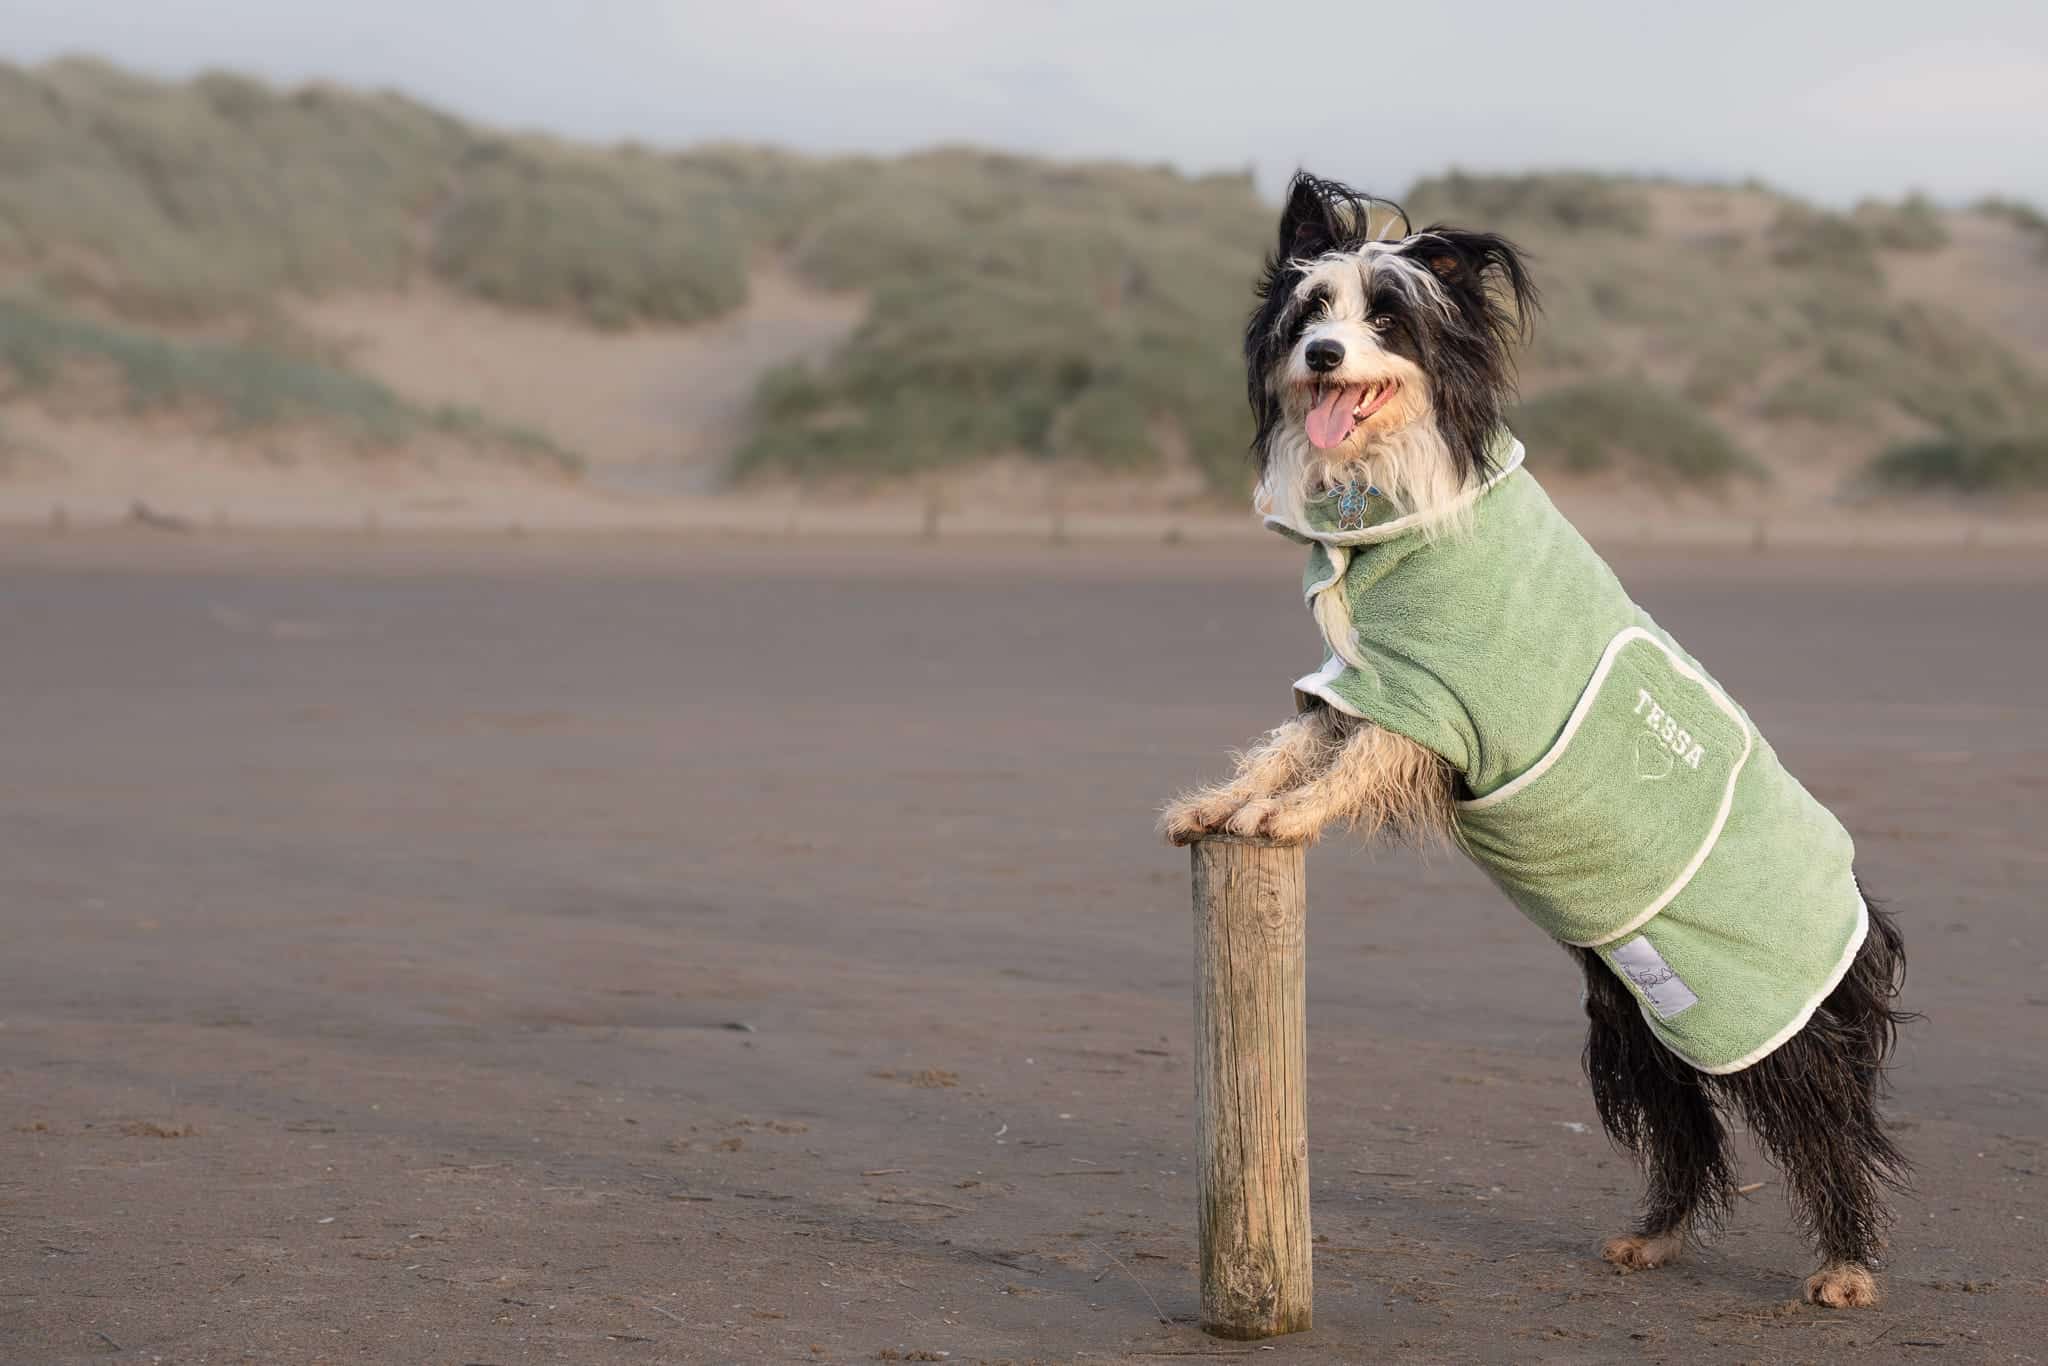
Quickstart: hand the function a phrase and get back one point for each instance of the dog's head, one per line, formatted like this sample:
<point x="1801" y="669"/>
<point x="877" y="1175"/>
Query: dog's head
<point x="1370" y="346"/>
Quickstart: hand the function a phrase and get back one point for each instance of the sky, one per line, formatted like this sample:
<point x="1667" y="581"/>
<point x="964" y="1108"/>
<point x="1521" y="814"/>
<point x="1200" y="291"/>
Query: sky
<point x="1832" y="100"/>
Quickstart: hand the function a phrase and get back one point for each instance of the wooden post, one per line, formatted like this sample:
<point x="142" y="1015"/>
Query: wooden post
<point x="1251" y="1087"/>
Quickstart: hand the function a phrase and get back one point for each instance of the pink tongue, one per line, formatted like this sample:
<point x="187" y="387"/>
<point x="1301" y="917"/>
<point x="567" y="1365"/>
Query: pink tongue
<point x="1330" y="421"/>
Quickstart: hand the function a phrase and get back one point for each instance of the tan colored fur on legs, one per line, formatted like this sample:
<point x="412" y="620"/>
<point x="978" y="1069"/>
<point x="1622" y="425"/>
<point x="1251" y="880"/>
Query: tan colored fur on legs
<point x="1642" y="1252"/>
<point x="1341" y="771"/>
<point x="1287" y="755"/>
<point x="1378" y="782"/>
<point x="1842" y="1285"/>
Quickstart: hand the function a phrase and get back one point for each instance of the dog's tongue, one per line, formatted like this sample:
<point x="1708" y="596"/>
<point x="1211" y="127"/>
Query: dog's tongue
<point x="1330" y="421"/>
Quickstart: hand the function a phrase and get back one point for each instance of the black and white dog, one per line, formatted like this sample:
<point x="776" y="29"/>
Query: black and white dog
<point x="1381" y="358"/>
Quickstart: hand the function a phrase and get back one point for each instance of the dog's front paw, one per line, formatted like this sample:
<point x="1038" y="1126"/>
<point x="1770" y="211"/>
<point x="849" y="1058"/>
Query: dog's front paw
<point x="1187" y="819"/>
<point x="1280" y="821"/>
<point x="1641" y="1251"/>
<point x="1842" y="1285"/>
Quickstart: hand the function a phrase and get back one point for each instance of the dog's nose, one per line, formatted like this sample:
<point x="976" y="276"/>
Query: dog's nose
<point x="1324" y="354"/>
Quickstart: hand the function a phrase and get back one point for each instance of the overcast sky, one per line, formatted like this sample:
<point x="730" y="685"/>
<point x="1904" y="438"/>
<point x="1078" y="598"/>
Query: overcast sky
<point x="1834" y="100"/>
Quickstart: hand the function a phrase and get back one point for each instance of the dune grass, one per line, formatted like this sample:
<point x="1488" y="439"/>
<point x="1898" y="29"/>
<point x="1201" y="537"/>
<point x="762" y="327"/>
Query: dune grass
<point x="246" y="387"/>
<point x="180" y="201"/>
<point x="1558" y="201"/>
<point x="619" y="237"/>
<point x="1634" y="424"/>
<point x="2021" y="215"/>
<point x="1956" y="464"/>
<point x="1912" y="224"/>
<point x="1019" y="307"/>
<point x="1057" y="311"/>
<point x="1789" y="325"/>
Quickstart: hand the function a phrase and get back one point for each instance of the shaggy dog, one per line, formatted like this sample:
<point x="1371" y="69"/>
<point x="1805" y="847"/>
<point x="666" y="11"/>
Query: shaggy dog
<point x="1378" y="365"/>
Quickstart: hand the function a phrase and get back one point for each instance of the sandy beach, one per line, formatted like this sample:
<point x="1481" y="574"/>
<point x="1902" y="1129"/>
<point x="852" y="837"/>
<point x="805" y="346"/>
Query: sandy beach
<point x="507" y="949"/>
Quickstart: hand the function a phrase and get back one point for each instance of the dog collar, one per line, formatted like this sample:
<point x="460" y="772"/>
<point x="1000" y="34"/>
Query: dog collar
<point x="1351" y="515"/>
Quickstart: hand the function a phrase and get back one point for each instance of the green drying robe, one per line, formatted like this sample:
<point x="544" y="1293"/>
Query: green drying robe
<point x="1617" y="794"/>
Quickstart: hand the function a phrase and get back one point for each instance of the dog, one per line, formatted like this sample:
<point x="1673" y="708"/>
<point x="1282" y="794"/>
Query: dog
<point x="1489" y="684"/>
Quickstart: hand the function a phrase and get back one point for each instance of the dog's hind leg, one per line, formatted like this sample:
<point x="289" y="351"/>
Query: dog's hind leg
<point x="1816" y="1117"/>
<point x="1813" y="1106"/>
<point x="1657" y="1108"/>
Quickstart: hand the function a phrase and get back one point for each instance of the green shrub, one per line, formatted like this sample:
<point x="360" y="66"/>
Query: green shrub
<point x="1807" y="238"/>
<point x="527" y="443"/>
<point x="1930" y="364"/>
<point x="2015" y="211"/>
<point x="248" y="387"/>
<point x="1913" y="224"/>
<point x="1720" y="372"/>
<point x="184" y="201"/>
<point x="2021" y="215"/>
<point x="176" y="202"/>
<point x="617" y="237"/>
<point x="1996" y="464"/>
<point x="1023" y="307"/>
<point x="1823" y="398"/>
<point x="1601" y="423"/>
<point x="1854" y="354"/>
<point x="1557" y="201"/>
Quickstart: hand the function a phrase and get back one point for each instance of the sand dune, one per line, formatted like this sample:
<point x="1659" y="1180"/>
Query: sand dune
<point x="656" y="413"/>
<point x="653" y="410"/>
<point x="1992" y="271"/>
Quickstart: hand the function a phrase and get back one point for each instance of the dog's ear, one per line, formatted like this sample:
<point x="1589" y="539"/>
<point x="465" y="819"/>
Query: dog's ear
<point x="1482" y="267"/>
<point x="1320" y="216"/>
<point x="1494" y="301"/>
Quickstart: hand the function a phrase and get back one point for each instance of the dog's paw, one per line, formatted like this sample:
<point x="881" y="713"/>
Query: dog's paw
<point x="1249" y="820"/>
<point x="1283" y="822"/>
<point x="1291" y="824"/>
<point x="1641" y="1251"/>
<point x="1187" y="819"/>
<point x="1842" y="1285"/>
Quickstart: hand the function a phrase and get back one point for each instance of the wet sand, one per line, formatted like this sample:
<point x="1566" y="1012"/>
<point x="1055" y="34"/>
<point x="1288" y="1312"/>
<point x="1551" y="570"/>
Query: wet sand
<point x="523" y="952"/>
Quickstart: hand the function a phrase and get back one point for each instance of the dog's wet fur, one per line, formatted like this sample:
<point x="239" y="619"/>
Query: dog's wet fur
<point x="1424" y="324"/>
<point x="1811" y="1105"/>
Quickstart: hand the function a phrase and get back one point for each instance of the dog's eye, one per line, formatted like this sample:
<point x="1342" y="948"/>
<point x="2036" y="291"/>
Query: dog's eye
<point x="1380" y="322"/>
